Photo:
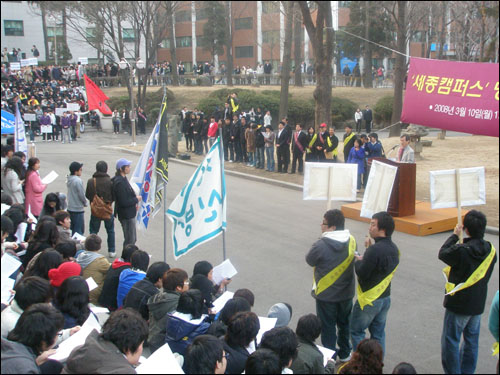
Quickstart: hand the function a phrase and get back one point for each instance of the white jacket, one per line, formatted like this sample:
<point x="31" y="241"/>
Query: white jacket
<point x="12" y="186"/>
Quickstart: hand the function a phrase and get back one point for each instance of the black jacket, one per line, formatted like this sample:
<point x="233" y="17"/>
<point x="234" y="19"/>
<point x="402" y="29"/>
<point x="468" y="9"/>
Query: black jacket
<point x="137" y="297"/>
<point x="464" y="260"/>
<point x="110" y="286"/>
<point x="236" y="358"/>
<point x="302" y="139"/>
<point x="125" y="198"/>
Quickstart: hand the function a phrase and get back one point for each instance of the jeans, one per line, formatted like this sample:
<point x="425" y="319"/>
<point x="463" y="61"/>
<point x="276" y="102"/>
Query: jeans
<point x="95" y="225"/>
<point x="66" y="135"/>
<point x="270" y="158"/>
<point x="237" y="151"/>
<point x="211" y="141"/>
<point x="251" y="158"/>
<point x="456" y="358"/>
<point x="335" y="315"/>
<point x="260" y="157"/>
<point x="129" y="233"/>
<point x="77" y="222"/>
<point x="371" y="317"/>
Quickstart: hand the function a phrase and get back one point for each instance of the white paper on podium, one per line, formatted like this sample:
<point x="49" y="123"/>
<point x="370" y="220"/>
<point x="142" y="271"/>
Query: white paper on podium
<point x="444" y="190"/>
<point x="50" y="178"/>
<point x="343" y="180"/>
<point x="378" y="189"/>
<point x="220" y="302"/>
<point x="66" y="347"/>
<point x="225" y="270"/>
<point x="266" y="324"/>
<point x="162" y="361"/>
<point x="327" y="354"/>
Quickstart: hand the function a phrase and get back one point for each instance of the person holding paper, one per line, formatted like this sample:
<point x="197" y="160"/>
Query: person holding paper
<point x="202" y="280"/>
<point x="465" y="296"/>
<point x="333" y="289"/>
<point x="405" y="152"/>
<point x="34" y="188"/>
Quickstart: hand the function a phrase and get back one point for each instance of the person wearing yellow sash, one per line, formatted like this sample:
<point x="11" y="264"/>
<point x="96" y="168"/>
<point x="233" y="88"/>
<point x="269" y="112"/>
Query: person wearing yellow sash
<point x="349" y="138"/>
<point x="332" y="143"/>
<point x="332" y="257"/>
<point x="493" y="324"/>
<point x="375" y="269"/>
<point x="469" y="269"/>
<point x="311" y="154"/>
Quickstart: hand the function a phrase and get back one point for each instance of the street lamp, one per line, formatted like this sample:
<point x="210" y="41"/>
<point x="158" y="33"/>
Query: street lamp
<point x="124" y="64"/>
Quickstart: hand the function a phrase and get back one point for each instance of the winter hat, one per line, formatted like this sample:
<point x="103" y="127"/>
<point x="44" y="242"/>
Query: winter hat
<point x="61" y="273"/>
<point x="282" y="311"/>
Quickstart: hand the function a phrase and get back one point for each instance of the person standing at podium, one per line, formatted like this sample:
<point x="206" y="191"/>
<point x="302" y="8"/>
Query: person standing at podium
<point x="405" y="152"/>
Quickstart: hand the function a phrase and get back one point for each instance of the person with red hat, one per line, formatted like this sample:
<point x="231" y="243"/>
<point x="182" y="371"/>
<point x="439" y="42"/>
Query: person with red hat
<point x="320" y="144"/>
<point x="61" y="273"/>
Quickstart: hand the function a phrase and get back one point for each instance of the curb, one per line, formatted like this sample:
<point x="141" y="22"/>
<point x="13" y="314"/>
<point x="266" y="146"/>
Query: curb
<point x="490" y="230"/>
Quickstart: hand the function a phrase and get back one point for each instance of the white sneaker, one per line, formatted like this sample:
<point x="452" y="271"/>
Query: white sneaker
<point x="347" y="359"/>
<point x="112" y="255"/>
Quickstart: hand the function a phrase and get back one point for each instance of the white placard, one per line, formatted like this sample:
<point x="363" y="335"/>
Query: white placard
<point x="29" y="117"/>
<point x="46" y="129"/>
<point x="29" y="62"/>
<point x="66" y="347"/>
<point x="162" y="361"/>
<point x="60" y="111"/>
<point x="9" y="265"/>
<point x="343" y="181"/>
<point x="378" y="189"/>
<point x="444" y="190"/>
<point x="73" y="107"/>
<point x="51" y="177"/>
<point x="77" y="236"/>
<point x="21" y="232"/>
<point x="15" y="66"/>
<point x="83" y="60"/>
<point x="220" y="302"/>
<point x="91" y="283"/>
<point x="225" y="270"/>
<point x="266" y="324"/>
<point x="327" y="354"/>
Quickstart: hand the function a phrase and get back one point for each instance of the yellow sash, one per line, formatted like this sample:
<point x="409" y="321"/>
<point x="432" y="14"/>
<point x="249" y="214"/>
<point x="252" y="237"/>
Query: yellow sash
<point x="346" y="141"/>
<point x="329" y="279"/>
<point x="477" y="275"/>
<point x="494" y="349"/>
<point x="367" y="298"/>
<point x="335" y="152"/>
<point x="234" y="107"/>
<point x="311" y="143"/>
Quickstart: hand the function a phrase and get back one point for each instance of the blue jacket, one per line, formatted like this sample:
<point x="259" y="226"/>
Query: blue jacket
<point x="374" y="150"/>
<point x="128" y="278"/>
<point x="357" y="157"/>
<point x="180" y="333"/>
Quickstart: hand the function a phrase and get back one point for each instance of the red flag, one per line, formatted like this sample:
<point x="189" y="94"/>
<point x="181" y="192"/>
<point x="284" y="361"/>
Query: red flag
<point x="95" y="97"/>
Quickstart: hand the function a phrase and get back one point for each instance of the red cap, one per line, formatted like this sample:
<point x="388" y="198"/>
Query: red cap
<point x="323" y="125"/>
<point x="64" y="271"/>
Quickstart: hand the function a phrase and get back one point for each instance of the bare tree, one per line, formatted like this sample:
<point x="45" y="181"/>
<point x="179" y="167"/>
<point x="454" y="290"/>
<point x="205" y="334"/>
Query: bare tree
<point x="323" y="55"/>
<point x="170" y="7"/>
<point x="287" y="51"/>
<point x="297" y="43"/>
<point x="229" y="42"/>
<point x="367" y="73"/>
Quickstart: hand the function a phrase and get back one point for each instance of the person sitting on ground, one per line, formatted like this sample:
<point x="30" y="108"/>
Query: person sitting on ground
<point x="67" y="250"/>
<point x="138" y="296"/>
<point x="51" y="205"/>
<point x="205" y="356"/>
<point x="202" y="280"/>
<point x="282" y="341"/>
<point x="310" y="359"/>
<point x="64" y="271"/>
<point x="128" y="277"/>
<point x="367" y="359"/>
<point x="110" y="286"/>
<point x="94" y="265"/>
<point x="175" y="282"/>
<point x="263" y="361"/>
<point x="233" y="306"/>
<point x="29" y="344"/>
<point x="45" y="236"/>
<point x="242" y="329"/>
<point x="246" y="294"/>
<point x="187" y="322"/>
<point x="113" y="351"/>
<point x="63" y="222"/>
<point x="72" y="300"/>
<point x="404" y="368"/>
<point x="282" y="311"/>
<point x="43" y="263"/>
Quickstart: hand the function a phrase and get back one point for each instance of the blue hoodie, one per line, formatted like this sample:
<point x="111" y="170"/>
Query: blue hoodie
<point x="182" y="330"/>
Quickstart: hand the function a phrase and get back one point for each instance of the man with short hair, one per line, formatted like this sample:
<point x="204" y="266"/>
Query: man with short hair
<point x="405" y="152"/>
<point x="299" y="146"/>
<point x="283" y="146"/>
<point x="349" y="138"/>
<point x="368" y="117"/>
<point x="470" y="266"/>
<point x="76" y="198"/>
<point x="375" y="270"/>
<point x="333" y="289"/>
<point x="205" y="356"/>
<point x="282" y="341"/>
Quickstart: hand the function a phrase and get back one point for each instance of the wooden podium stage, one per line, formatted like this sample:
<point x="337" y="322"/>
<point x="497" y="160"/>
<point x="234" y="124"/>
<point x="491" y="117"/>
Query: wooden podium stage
<point x="425" y="221"/>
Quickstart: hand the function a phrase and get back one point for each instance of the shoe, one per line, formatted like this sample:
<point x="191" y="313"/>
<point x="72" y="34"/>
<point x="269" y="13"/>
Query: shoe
<point x="344" y="360"/>
<point x="112" y="255"/>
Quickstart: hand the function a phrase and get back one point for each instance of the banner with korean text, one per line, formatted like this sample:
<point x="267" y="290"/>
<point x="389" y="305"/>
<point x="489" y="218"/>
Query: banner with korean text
<point x="459" y="96"/>
<point x="198" y="213"/>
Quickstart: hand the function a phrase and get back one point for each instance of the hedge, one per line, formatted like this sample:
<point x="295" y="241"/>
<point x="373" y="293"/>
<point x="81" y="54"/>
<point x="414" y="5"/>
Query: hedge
<point x="383" y="110"/>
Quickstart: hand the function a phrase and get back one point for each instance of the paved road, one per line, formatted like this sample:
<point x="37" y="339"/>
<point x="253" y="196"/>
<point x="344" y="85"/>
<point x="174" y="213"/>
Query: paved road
<point x="270" y="230"/>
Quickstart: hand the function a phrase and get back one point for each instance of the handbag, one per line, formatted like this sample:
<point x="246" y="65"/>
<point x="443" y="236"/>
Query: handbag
<point x="99" y="208"/>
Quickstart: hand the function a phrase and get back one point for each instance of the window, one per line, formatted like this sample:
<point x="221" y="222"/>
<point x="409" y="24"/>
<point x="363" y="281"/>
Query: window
<point x="271" y="36"/>
<point x="128" y="35"/>
<point x="244" y="52"/>
<point x="58" y="30"/>
<point x="165" y="43"/>
<point x="200" y="42"/>
<point x="243" y="23"/>
<point x="13" y="28"/>
<point x="270" y="7"/>
<point x="90" y="33"/>
<point x="202" y="14"/>
<point x="344" y="4"/>
<point x="418" y="36"/>
<point x="183" y="16"/>
<point x="183" y="41"/>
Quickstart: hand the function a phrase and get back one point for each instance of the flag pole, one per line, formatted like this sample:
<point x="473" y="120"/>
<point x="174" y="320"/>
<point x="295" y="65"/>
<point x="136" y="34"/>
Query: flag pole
<point x="165" y="193"/>
<point x="221" y="157"/>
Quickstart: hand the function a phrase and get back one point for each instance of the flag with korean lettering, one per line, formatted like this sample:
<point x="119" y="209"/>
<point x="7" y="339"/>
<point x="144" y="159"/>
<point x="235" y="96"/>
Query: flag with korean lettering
<point x="198" y="213"/>
<point x="20" y="143"/>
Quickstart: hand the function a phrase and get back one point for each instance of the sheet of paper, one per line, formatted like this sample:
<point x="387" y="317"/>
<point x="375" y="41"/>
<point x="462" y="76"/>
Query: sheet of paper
<point x="21" y="232"/>
<point x="77" y="236"/>
<point x="7" y="291"/>
<point x="50" y="178"/>
<point x="31" y="216"/>
<point x="327" y="353"/>
<point x="9" y="265"/>
<point x="98" y="310"/>
<point x="225" y="270"/>
<point x="65" y="348"/>
<point x="266" y="324"/>
<point x="220" y="302"/>
<point x="162" y="361"/>
<point x="91" y="283"/>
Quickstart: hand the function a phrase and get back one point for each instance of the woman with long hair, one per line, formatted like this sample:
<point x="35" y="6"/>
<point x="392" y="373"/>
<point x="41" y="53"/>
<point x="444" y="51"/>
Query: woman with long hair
<point x="72" y="300"/>
<point x="34" y="188"/>
<point x="367" y="359"/>
<point x="46" y="235"/>
<point x="47" y="260"/>
<point x="12" y="182"/>
<point x="50" y="205"/>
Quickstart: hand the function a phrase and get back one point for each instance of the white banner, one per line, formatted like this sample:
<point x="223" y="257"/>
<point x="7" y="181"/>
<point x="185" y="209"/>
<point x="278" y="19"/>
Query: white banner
<point x="83" y="60"/>
<point x="73" y="107"/>
<point x="198" y="213"/>
<point x="29" y="62"/>
<point x="15" y="66"/>
<point x="29" y="117"/>
<point x="21" y="143"/>
<point x="343" y="179"/>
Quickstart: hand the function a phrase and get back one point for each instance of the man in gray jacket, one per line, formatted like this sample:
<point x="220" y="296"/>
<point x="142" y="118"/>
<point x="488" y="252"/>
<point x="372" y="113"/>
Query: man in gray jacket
<point x="332" y="258"/>
<point x="76" y="198"/>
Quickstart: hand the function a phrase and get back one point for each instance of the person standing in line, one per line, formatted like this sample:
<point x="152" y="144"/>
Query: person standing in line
<point x="65" y="125"/>
<point x="375" y="270"/>
<point x="282" y="148"/>
<point x="125" y="201"/>
<point x="34" y="188"/>
<point x="357" y="156"/>
<point x="332" y="257"/>
<point x="269" y="137"/>
<point x="73" y="119"/>
<point x="116" y="122"/>
<point x="368" y="117"/>
<point x="100" y="184"/>
<point x="76" y="198"/>
<point x="470" y="265"/>
<point x="45" y="121"/>
<point x="56" y="126"/>
<point x="349" y="138"/>
<point x="212" y="131"/>
<point x="331" y="150"/>
<point x="299" y="146"/>
<point x="320" y="144"/>
<point x="311" y="154"/>
<point x="358" y="117"/>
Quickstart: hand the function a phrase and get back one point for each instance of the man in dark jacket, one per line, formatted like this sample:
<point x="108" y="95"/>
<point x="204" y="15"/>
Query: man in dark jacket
<point x="235" y="137"/>
<point x="368" y="117"/>
<point x="227" y="130"/>
<point x="125" y="201"/>
<point x="283" y="140"/>
<point x="375" y="270"/>
<point x="470" y="267"/>
<point x="100" y="183"/>
<point x="332" y="258"/>
<point x="299" y="146"/>
<point x="349" y="138"/>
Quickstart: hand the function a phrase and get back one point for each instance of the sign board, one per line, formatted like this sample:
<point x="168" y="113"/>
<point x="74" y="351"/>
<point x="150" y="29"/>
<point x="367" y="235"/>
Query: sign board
<point x="15" y="66"/>
<point x="378" y="189"/>
<point x="29" y="62"/>
<point x="60" y="111"/>
<point x="29" y="117"/>
<point x="83" y="60"/>
<point x="337" y="180"/>
<point x="73" y="107"/>
<point x="8" y="126"/>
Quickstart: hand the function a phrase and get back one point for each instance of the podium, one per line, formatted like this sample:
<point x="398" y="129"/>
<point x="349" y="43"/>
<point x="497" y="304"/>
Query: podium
<point x="402" y="201"/>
